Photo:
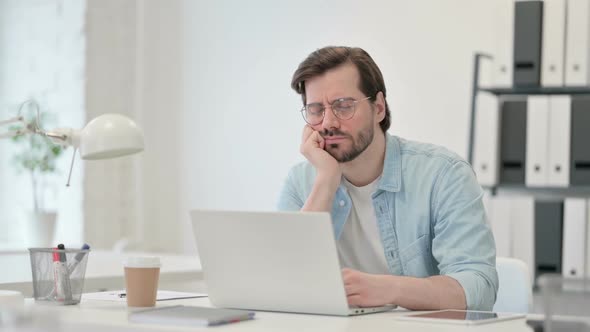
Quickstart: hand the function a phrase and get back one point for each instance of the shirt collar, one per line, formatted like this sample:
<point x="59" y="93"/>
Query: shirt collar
<point x="392" y="165"/>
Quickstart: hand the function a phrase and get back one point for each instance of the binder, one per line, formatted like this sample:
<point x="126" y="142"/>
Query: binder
<point x="558" y="167"/>
<point x="536" y="141"/>
<point x="486" y="72"/>
<point x="577" y="69"/>
<point x="548" y="237"/>
<point x="580" y="136"/>
<point x="513" y="119"/>
<point x="487" y="201"/>
<point x="528" y="22"/>
<point x="504" y="38"/>
<point x="587" y="239"/>
<point x="485" y="154"/>
<point x="501" y="223"/>
<point x="553" y="43"/>
<point x="575" y="222"/>
<point x="523" y="231"/>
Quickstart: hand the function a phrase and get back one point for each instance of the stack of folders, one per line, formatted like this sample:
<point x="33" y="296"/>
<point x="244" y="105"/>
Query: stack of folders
<point x="548" y="235"/>
<point x="540" y="43"/>
<point x="189" y="316"/>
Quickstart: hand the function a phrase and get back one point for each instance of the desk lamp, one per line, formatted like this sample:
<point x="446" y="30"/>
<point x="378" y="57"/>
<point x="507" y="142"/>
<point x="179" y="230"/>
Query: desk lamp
<point x="104" y="137"/>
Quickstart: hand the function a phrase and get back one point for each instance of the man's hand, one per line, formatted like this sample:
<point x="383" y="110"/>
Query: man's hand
<point x="432" y="293"/>
<point x="367" y="290"/>
<point x="328" y="171"/>
<point x="312" y="147"/>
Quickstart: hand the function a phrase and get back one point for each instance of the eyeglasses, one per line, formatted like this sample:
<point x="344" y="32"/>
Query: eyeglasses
<point x="343" y="109"/>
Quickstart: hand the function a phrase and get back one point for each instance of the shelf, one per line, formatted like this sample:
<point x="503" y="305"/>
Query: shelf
<point x="549" y="192"/>
<point x="537" y="91"/>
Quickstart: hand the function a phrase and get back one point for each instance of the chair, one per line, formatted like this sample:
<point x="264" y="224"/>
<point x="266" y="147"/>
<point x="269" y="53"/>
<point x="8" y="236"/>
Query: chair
<point x="515" y="291"/>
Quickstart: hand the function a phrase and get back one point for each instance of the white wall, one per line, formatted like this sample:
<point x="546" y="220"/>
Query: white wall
<point x="42" y="47"/>
<point x="160" y="109"/>
<point x="134" y="68"/>
<point x="111" y="204"/>
<point x="209" y="81"/>
<point x="240" y="126"/>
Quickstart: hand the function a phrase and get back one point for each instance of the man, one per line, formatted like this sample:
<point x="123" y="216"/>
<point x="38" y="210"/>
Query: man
<point x="408" y="217"/>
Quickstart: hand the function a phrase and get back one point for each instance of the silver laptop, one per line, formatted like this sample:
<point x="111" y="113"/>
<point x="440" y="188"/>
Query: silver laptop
<point x="273" y="261"/>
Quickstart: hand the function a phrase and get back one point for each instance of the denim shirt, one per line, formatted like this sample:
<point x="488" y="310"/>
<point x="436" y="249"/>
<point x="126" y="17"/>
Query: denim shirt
<point x="430" y="216"/>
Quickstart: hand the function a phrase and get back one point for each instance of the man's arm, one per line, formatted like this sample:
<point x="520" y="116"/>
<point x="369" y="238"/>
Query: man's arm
<point x="322" y="194"/>
<point x="462" y="245"/>
<point x="436" y="292"/>
<point x="327" y="168"/>
<point x="292" y="196"/>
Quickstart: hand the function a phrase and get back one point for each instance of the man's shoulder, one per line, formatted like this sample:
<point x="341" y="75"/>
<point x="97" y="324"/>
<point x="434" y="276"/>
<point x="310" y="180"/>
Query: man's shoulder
<point x="302" y="171"/>
<point x="414" y="151"/>
<point x="302" y="167"/>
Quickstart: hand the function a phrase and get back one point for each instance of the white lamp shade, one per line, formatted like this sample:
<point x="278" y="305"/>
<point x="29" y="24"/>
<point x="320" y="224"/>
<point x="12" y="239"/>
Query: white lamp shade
<point x="110" y="136"/>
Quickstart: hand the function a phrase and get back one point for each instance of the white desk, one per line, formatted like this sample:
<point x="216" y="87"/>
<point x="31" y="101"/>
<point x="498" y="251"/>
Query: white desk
<point x="105" y="271"/>
<point x="91" y="316"/>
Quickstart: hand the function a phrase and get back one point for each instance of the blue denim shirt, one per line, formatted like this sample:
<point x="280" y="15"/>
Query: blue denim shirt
<point x="430" y="215"/>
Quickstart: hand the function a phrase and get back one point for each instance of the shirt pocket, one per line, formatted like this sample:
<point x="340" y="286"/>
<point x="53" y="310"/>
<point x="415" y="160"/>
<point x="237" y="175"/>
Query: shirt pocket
<point x="415" y="258"/>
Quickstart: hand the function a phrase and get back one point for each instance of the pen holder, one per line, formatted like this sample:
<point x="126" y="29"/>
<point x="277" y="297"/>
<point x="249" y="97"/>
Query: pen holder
<point x="58" y="275"/>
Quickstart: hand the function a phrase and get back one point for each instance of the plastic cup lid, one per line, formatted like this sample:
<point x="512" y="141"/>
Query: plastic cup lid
<point x="142" y="262"/>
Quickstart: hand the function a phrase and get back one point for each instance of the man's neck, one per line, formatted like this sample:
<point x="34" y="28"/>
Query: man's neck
<point x="368" y="166"/>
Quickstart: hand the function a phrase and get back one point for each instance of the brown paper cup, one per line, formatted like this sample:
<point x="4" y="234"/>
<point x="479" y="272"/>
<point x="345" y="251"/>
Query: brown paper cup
<point x="141" y="281"/>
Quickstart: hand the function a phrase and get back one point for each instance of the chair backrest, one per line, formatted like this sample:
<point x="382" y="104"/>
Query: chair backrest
<point x="515" y="291"/>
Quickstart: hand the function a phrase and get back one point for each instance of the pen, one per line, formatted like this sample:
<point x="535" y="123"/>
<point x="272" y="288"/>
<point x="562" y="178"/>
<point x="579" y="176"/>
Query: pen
<point x="64" y="275"/>
<point x="77" y="259"/>
<point x="57" y="276"/>
<point x="70" y="268"/>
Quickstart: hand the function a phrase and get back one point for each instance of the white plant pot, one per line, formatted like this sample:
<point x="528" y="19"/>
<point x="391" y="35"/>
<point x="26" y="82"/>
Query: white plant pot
<point x="40" y="229"/>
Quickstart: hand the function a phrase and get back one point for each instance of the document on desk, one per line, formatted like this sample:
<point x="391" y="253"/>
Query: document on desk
<point x="119" y="296"/>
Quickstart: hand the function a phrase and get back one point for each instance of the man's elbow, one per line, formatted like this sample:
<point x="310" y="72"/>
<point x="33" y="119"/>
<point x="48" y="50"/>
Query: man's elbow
<point x="479" y="289"/>
<point x="487" y="292"/>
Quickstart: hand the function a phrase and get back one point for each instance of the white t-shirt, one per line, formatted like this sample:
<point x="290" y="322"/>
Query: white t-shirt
<point x="359" y="245"/>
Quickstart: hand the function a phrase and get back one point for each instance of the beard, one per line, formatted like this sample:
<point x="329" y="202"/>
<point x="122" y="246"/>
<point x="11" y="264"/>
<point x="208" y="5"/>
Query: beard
<point x="359" y="144"/>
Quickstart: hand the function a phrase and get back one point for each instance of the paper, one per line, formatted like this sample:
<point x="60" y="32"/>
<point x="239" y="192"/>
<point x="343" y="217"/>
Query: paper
<point x="119" y="296"/>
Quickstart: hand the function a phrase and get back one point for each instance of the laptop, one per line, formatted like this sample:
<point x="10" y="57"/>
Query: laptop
<point x="272" y="261"/>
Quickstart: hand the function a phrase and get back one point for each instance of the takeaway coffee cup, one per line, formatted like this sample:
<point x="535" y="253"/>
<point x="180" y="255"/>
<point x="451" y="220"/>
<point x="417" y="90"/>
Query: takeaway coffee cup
<point x="141" y="281"/>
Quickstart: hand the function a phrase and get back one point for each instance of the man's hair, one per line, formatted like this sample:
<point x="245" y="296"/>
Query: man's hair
<point x="324" y="59"/>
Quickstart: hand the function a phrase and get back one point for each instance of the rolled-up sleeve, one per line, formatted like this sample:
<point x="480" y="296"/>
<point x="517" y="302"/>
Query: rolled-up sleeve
<point x="463" y="244"/>
<point x="289" y="200"/>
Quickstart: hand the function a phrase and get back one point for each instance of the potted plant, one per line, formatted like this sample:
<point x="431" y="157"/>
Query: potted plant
<point x="37" y="157"/>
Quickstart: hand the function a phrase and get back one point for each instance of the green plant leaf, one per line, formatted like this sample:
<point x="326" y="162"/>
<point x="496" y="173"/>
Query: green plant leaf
<point x="36" y="153"/>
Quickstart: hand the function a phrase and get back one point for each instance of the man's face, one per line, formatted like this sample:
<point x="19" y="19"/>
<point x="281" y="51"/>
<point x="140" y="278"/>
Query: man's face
<point x="345" y="139"/>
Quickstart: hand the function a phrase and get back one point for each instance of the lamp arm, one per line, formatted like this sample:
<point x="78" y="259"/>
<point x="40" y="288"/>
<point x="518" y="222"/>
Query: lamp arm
<point x="60" y="136"/>
<point x="63" y="136"/>
<point x="13" y="120"/>
<point x="13" y="133"/>
<point x="27" y="128"/>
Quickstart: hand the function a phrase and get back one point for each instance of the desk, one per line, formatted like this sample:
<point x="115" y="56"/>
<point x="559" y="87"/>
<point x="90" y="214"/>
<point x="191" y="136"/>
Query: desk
<point x="90" y="316"/>
<point x="105" y="271"/>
